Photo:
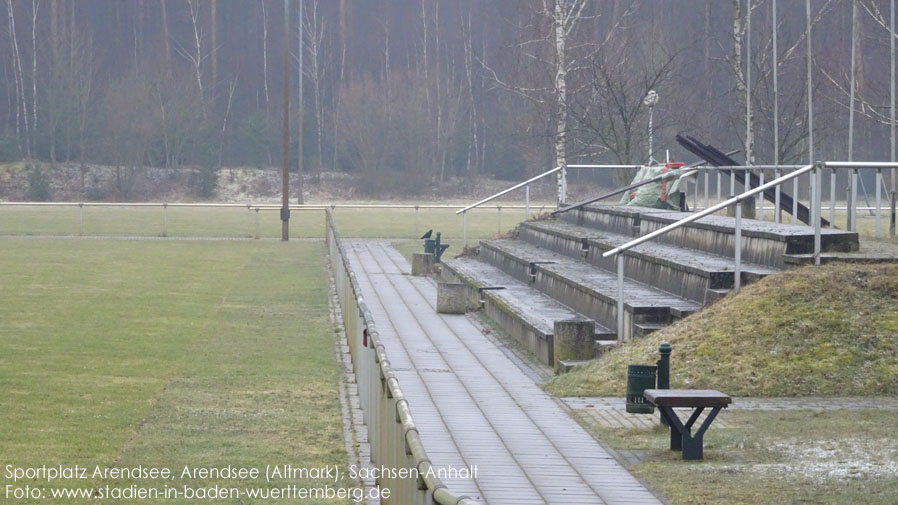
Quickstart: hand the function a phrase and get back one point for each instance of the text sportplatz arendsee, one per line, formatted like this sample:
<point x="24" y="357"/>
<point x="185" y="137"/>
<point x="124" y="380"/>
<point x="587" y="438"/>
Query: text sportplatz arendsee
<point x="330" y="473"/>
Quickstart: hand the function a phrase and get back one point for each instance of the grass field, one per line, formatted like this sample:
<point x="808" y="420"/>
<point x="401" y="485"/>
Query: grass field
<point x="240" y="222"/>
<point x="788" y="457"/>
<point x="166" y="354"/>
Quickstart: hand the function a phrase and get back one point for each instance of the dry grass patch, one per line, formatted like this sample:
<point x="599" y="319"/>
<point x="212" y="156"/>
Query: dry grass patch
<point x="830" y="330"/>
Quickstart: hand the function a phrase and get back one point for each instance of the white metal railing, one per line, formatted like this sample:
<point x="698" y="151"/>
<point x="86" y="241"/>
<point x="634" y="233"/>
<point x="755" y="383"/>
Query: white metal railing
<point x="254" y="208"/>
<point x="395" y="440"/>
<point x="526" y="185"/>
<point x="815" y="208"/>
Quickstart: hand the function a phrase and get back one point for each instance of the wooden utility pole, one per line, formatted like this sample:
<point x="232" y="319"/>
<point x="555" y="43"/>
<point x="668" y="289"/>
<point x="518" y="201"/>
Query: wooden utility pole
<point x="299" y="118"/>
<point x="285" y="161"/>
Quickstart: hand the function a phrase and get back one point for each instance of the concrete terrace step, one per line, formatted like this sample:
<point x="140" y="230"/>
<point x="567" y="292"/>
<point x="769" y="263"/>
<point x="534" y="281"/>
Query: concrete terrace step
<point x="685" y="272"/>
<point x="526" y="314"/>
<point x="583" y="287"/>
<point x="763" y="242"/>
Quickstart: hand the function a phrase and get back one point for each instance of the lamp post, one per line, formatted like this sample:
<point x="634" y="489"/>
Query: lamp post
<point x="650" y="100"/>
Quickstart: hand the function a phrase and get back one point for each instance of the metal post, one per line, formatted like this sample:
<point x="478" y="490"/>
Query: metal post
<point x="892" y="217"/>
<point x="795" y="200"/>
<point x="81" y="217"/>
<point x="818" y="177"/>
<point x="694" y="194"/>
<point x="812" y="210"/>
<point x="848" y="207"/>
<point x="664" y="371"/>
<point x="737" y="248"/>
<point x="707" y="183"/>
<point x="651" y="114"/>
<point x="258" y="234"/>
<point x="620" y="298"/>
<point x="464" y="229"/>
<point x="852" y="201"/>
<point x="832" y="196"/>
<point x="777" y="213"/>
<point x="527" y="202"/>
<point x="164" y="220"/>
<point x="664" y="366"/>
<point x="761" y="197"/>
<point x="878" y="202"/>
<point x="718" y="187"/>
<point x="499" y="227"/>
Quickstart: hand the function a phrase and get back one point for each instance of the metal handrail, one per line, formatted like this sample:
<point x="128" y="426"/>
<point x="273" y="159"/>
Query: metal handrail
<point x="526" y="186"/>
<point x="508" y="190"/>
<point x="710" y="210"/>
<point x="815" y="208"/>
<point x="737" y="246"/>
<point x="262" y="206"/>
<point x="536" y="178"/>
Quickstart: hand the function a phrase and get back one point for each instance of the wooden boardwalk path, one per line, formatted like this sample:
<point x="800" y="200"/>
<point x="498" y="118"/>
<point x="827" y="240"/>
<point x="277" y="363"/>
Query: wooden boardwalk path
<point x="475" y="407"/>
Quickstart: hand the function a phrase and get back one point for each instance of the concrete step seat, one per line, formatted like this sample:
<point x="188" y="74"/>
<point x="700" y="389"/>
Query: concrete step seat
<point x="685" y="272"/>
<point x="585" y="288"/>
<point x="763" y="242"/>
<point x="526" y="314"/>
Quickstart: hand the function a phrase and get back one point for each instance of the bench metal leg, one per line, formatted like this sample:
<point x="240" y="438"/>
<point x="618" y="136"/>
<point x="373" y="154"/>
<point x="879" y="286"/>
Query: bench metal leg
<point x="676" y="439"/>
<point x="681" y="437"/>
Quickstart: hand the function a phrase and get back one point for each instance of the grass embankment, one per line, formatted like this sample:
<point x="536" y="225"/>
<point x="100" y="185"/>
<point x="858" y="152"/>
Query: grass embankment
<point x="829" y="330"/>
<point x="166" y="354"/>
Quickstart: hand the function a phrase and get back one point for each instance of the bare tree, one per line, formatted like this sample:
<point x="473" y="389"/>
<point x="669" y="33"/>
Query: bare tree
<point x="265" y="81"/>
<point x="197" y="56"/>
<point x="562" y="18"/>
<point x="224" y="122"/>
<point x="609" y="114"/>
<point x="314" y="28"/>
<point x="22" y="107"/>
<point x="34" y="9"/>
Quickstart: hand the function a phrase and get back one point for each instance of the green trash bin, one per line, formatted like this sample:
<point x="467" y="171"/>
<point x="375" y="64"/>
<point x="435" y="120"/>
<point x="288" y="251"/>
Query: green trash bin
<point x="640" y="378"/>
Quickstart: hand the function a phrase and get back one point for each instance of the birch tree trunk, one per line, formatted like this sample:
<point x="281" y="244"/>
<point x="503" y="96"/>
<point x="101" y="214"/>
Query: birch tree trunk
<point x="197" y="58"/>
<point x="22" y="109"/>
<point x="166" y="40"/>
<point x="560" y="22"/>
<point x="34" y="7"/>
<point x="265" y="82"/>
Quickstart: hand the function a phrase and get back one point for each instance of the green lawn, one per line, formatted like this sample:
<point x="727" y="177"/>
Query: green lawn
<point x="166" y="354"/>
<point x="787" y="457"/>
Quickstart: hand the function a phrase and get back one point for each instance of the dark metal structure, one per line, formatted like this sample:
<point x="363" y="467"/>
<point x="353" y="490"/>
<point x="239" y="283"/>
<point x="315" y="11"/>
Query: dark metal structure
<point x="718" y="158"/>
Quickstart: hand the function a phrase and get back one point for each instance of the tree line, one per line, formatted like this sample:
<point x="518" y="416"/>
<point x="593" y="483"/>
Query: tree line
<point x="409" y="93"/>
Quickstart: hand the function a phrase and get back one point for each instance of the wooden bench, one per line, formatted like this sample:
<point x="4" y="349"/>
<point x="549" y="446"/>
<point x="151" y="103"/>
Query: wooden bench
<point x="681" y="436"/>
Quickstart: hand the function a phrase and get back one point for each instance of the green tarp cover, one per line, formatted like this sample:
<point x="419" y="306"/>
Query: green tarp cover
<point x="649" y="195"/>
